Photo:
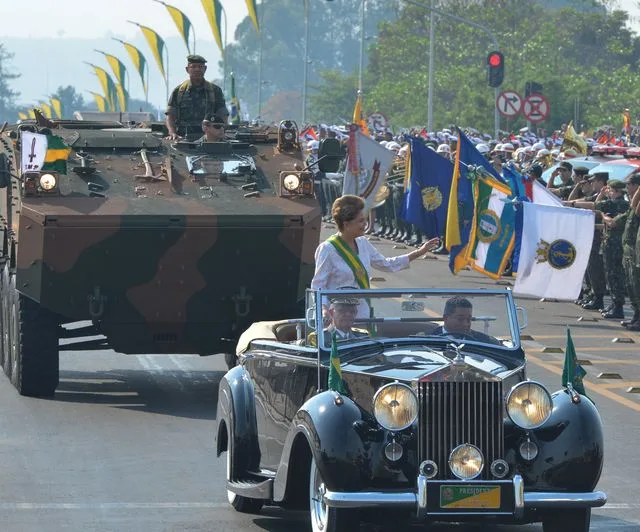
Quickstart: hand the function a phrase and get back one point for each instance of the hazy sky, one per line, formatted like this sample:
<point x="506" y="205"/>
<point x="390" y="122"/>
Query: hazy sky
<point x="95" y="18"/>
<point x="98" y="20"/>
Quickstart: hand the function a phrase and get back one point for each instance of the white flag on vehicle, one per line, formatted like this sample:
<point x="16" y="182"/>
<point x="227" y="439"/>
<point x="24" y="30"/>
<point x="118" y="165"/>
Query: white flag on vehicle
<point x="33" y="152"/>
<point x="554" y="251"/>
<point x="367" y="165"/>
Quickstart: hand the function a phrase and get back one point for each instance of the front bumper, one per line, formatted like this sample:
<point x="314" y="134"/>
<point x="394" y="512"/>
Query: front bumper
<point x="419" y="500"/>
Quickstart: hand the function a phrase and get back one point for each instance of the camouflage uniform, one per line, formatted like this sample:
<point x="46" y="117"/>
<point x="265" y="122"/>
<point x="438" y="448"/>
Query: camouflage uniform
<point x="612" y="247"/>
<point x="631" y="268"/>
<point x="595" y="277"/>
<point x="191" y="105"/>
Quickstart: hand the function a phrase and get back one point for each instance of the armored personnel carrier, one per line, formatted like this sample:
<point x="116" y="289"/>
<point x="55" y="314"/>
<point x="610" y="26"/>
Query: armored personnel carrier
<point x="156" y="246"/>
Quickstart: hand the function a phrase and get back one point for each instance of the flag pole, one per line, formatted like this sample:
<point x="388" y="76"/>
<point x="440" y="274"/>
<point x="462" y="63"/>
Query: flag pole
<point x="224" y="52"/>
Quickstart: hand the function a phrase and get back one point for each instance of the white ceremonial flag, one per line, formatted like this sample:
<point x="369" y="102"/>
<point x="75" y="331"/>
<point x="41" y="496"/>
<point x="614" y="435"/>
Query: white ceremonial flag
<point x="554" y="251"/>
<point x="367" y="166"/>
<point x="33" y="151"/>
<point x="542" y="196"/>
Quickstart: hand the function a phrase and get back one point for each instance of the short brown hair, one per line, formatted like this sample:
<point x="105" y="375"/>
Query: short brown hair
<point x="346" y="208"/>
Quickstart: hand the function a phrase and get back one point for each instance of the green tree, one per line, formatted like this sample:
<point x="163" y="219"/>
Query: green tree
<point x="334" y="44"/>
<point x="7" y="95"/>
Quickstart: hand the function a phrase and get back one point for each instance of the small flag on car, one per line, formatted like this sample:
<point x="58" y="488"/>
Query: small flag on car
<point x="335" y="383"/>
<point x="573" y="373"/>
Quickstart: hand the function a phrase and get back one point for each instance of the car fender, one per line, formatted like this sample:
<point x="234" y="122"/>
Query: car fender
<point x="326" y="422"/>
<point x="236" y="414"/>
<point x="571" y="448"/>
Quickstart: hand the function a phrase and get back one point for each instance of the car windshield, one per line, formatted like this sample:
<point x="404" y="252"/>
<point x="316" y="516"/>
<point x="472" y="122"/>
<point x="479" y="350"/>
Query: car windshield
<point x="480" y="316"/>
<point x="589" y="164"/>
<point x="617" y="172"/>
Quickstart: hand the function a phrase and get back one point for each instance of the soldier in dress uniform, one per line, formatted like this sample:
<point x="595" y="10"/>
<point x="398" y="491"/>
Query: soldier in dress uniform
<point x="193" y="101"/>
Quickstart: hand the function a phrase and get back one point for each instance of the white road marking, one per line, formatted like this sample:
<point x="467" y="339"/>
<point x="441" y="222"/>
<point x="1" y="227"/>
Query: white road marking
<point x="109" y="505"/>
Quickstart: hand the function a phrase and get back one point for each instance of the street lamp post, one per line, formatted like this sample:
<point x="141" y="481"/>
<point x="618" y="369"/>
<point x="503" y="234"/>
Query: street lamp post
<point x="306" y="61"/>
<point x="470" y="23"/>
<point x="363" y="8"/>
<point x="432" y="47"/>
<point x="260" y="63"/>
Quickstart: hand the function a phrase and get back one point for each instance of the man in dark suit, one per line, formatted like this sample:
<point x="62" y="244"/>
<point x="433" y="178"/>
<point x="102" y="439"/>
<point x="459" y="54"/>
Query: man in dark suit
<point x="343" y="311"/>
<point x="457" y="315"/>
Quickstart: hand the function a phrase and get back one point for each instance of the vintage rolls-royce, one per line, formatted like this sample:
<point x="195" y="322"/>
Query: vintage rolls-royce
<point x="422" y="408"/>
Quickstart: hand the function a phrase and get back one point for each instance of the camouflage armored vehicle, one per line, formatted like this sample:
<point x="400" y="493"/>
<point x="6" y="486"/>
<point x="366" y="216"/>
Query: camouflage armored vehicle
<point x="157" y="246"/>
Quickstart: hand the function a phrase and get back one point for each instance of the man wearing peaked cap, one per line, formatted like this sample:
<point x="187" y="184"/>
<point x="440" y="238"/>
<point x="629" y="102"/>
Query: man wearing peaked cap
<point x="343" y="310"/>
<point x="193" y="101"/>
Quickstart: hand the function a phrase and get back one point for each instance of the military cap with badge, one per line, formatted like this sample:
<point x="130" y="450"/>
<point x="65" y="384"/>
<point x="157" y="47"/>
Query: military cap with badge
<point x="617" y="185"/>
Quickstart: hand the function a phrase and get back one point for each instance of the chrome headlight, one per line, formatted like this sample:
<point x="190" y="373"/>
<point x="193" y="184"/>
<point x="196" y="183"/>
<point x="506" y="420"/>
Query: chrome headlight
<point x="529" y="405"/>
<point x="291" y="182"/>
<point x="395" y="406"/>
<point x="48" y="182"/>
<point x="466" y="461"/>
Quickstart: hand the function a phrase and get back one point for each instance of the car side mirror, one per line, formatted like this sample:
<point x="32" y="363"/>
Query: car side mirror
<point x="522" y="323"/>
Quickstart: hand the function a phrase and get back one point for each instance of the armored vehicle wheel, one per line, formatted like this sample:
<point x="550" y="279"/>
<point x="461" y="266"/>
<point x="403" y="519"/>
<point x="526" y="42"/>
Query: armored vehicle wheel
<point x="577" y="520"/>
<point x="323" y="517"/>
<point x="231" y="360"/>
<point x="30" y="340"/>
<point x="241" y="504"/>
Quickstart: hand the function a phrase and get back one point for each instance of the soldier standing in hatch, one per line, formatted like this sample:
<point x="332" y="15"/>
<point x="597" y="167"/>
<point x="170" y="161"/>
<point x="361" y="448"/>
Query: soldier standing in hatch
<point x="193" y="101"/>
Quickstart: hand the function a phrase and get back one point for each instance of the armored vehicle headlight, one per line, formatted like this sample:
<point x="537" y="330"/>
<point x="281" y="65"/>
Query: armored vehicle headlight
<point x="48" y="181"/>
<point x="529" y="404"/>
<point x="291" y="182"/>
<point x="466" y="461"/>
<point x="395" y="406"/>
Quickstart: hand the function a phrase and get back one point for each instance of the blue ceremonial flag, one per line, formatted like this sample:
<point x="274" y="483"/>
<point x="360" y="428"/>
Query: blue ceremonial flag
<point x="519" y="193"/>
<point x="427" y="195"/>
<point x="461" y="201"/>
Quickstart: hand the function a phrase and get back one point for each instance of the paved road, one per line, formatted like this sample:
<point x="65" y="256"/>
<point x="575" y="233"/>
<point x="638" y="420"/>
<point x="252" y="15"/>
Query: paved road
<point x="126" y="443"/>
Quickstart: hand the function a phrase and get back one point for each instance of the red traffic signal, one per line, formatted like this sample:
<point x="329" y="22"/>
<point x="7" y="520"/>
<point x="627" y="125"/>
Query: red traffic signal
<point x="495" y="69"/>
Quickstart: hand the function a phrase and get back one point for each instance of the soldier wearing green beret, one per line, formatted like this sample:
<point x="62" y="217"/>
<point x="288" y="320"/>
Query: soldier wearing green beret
<point x="193" y="101"/>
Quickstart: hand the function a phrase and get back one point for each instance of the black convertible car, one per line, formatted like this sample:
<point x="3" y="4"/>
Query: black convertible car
<point x="435" y="419"/>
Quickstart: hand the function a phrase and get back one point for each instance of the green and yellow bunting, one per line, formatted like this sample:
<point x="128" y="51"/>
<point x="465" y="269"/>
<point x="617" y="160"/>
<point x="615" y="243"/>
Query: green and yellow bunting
<point x="253" y="13"/>
<point x="101" y="101"/>
<point x="23" y="116"/>
<point x="46" y="109"/>
<point x="32" y="114"/>
<point x="139" y="62"/>
<point x="117" y="66"/>
<point x="156" y="43"/>
<point x="213" y="9"/>
<point x="352" y="260"/>
<point x="123" y="97"/>
<point x="182" y="22"/>
<point x="108" y="86"/>
<point x="335" y="382"/>
<point x="56" y="104"/>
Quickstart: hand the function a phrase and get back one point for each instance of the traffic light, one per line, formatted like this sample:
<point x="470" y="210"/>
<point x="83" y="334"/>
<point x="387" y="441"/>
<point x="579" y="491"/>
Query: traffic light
<point x="495" y="69"/>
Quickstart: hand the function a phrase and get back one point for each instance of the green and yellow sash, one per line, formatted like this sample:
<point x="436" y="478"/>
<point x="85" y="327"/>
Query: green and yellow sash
<point x="352" y="260"/>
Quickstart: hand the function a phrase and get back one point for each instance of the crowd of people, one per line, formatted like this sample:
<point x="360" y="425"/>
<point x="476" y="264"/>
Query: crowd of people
<point x="197" y="109"/>
<point x="614" y="265"/>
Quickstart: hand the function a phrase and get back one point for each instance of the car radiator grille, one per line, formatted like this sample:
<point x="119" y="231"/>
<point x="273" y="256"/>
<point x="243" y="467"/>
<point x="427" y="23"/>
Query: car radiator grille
<point x="452" y="413"/>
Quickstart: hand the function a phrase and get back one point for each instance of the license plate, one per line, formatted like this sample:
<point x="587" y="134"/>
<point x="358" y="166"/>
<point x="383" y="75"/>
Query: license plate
<point x="470" y="497"/>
